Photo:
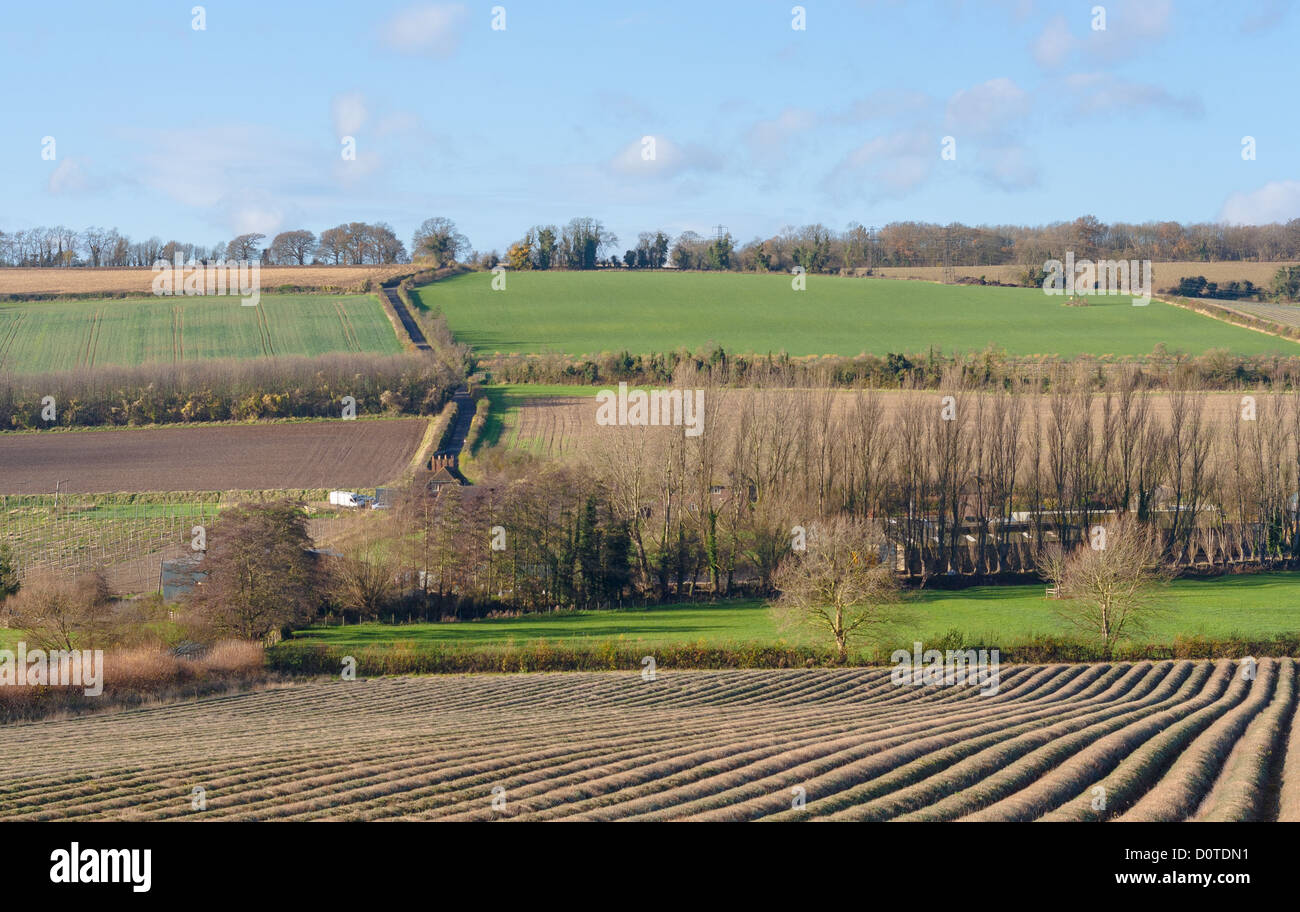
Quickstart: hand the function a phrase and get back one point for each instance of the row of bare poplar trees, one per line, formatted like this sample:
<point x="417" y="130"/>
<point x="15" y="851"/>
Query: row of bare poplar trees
<point x="962" y="481"/>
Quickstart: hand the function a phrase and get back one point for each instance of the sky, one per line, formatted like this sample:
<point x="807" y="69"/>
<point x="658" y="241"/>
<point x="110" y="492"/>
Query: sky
<point x="666" y="116"/>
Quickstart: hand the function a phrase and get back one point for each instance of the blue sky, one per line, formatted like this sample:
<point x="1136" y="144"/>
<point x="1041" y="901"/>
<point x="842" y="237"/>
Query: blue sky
<point x="199" y="135"/>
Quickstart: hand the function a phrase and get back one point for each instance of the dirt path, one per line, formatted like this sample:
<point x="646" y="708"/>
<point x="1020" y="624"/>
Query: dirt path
<point x="408" y="322"/>
<point x="464" y="417"/>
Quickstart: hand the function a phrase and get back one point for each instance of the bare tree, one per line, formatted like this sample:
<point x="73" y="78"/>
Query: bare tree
<point x="385" y="245"/>
<point x="95" y="240"/>
<point x="365" y="579"/>
<point x="245" y="246"/>
<point x="61" y="613"/>
<point x="838" y="586"/>
<point x="261" y="574"/>
<point x="1109" y="586"/>
<point x="291" y="247"/>
<point x="333" y="245"/>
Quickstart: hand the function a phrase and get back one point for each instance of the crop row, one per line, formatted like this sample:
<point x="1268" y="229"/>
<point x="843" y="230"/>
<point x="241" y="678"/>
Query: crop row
<point x="1149" y="740"/>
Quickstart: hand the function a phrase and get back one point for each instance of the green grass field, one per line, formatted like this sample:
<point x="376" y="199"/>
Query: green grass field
<point x="1251" y="606"/>
<point x="64" y="335"/>
<point x="593" y="312"/>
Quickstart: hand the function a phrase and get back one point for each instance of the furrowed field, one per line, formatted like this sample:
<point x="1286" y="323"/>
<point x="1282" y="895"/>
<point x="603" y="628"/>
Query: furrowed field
<point x="68" y="335"/>
<point x="310" y="454"/>
<point x="1165" y="274"/>
<point x="641" y="312"/>
<point x="1156" y="741"/>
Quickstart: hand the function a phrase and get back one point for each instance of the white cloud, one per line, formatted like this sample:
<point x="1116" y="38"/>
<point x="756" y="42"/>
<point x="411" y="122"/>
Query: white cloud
<point x="988" y="109"/>
<point x="1278" y="201"/>
<point x="1053" y="45"/>
<point x="398" y="122"/>
<point x="262" y="219"/>
<point x="659" y="157"/>
<point x="200" y="166"/>
<point x="887" y="104"/>
<point x="1131" y="25"/>
<point x="891" y="165"/>
<point x="430" y="29"/>
<point x="246" y="178"/>
<point x="71" y="177"/>
<point x="349" y="113"/>
<point x="984" y="119"/>
<point x="769" y="138"/>
<point x="1145" y="20"/>
<point x="1101" y="93"/>
<point x="623" y="106"/>
<point x="1007" y="167"/>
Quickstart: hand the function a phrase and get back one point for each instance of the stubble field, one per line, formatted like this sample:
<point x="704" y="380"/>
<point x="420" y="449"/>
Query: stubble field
<point x="560" y="421"/>
<point x="131" y="280"/>
<point x="1147" y="741"/>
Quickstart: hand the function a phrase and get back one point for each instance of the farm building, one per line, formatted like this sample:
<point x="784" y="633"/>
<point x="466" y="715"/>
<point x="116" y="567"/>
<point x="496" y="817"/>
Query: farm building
<point x="441" y="479"/>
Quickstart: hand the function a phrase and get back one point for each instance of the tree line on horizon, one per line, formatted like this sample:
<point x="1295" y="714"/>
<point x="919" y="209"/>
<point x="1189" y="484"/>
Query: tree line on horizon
<point x="585" y="243"/>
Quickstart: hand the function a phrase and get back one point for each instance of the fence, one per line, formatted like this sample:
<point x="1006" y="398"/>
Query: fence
<point x="71" y="534"/>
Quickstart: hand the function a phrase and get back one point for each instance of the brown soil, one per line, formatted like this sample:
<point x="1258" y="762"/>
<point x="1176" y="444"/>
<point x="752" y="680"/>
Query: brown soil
<point x="315" y="454"/>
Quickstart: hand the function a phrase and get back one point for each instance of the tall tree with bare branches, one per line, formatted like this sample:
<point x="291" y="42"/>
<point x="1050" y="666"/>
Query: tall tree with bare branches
<point x="1112" y="590"/>
<point x="838" y="586"/>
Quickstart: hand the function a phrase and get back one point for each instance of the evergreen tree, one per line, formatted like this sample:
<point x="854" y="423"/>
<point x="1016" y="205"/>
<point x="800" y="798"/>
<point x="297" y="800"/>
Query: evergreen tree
<point x="8" y="571"/>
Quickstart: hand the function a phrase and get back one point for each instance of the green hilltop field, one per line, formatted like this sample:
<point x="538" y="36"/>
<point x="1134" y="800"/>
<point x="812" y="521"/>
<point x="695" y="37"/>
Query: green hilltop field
<point x="586" y="313"/>
<point x="72" y="334"/>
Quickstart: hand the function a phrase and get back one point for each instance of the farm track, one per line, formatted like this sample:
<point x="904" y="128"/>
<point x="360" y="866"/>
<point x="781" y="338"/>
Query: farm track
<point x="349" y="331"/>
<point x="1166" y="740"/>
<point x="264" y="329"/>
<point x="413" y="331"/>
<point x="86" y="354"/>
<point x="178" y="334"/>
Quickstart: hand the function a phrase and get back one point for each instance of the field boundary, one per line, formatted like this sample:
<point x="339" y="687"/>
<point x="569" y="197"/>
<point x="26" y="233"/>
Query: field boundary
<point x="433" y="435"/>
<point x="1223" y="313"/>
<point x="117" y="281"/>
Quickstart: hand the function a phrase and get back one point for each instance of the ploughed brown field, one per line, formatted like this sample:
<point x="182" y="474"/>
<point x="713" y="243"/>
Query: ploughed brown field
<point x="313" y="454"/>
<point x="140" y="281"/>
<point x="1146" y="741"/>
